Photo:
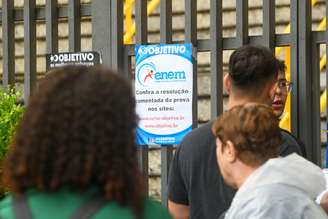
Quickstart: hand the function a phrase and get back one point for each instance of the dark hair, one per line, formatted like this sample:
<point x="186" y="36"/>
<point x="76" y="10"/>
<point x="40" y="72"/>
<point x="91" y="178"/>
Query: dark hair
<point x="254" y="131"/>
<point x="252" y="66"/>
<point x="281" y="66"/>
<point x="78" y="132"/>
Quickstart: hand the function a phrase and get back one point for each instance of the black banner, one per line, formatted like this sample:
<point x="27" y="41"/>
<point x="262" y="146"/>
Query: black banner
<point x="72" y="58"/>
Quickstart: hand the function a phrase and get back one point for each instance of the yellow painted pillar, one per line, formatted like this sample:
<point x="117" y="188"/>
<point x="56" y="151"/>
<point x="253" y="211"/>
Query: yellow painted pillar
<point x="128" y="19"/>
<point x="285" y="122"/>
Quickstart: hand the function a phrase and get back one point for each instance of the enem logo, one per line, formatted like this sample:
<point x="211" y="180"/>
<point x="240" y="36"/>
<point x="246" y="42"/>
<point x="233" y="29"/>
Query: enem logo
<point x="147" y="74"/>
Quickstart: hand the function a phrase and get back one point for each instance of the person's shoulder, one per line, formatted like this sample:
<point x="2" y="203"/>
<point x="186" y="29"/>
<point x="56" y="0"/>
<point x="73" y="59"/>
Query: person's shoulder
<point x="199" y="136"/>
<point x="279" y="193"/>
<point x="202" y="131"/>
<point x="290" y="137"/>
<point x="196" y="144"/>
<point x="291" y="144"/>
<point x="154" y="209"/>
<point x="284" y="132"/>
<point x="288" y="200"/>
<point x="259" y="201"/>
<point x="6" y="201"/>
<point x="6" y="207"/>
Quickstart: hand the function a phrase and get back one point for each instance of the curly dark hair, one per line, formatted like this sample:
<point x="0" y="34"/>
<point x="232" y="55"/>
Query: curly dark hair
<point x="78" y="132"/>
<point x="254" y="131"/>
<point x="252" y="66"/>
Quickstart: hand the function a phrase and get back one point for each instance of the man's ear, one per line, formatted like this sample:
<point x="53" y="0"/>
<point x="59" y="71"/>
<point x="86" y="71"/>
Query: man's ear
<point x="227" y="83"/>
<point x="230" y="152"/>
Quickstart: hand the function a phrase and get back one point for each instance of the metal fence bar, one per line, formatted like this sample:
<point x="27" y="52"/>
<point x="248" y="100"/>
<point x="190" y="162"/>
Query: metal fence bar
<point x="62" y="11"/>
<point x="107" y="21"/>
<point x="143" y="151"/>
<point x="315" y="105"/>
<point x="229" y="43"/>
<point x="8" y="43"/>
<point x="166" y="158"/>
<point x="304" y="82"/>
<point x="294" y="66"/>
<point x="191" y="37"/>
<point x="166" y="150"/>
<point x="191" y="22"/>
<point x="242" y="22"/>
<point x="282" y="39"/>
<point x="29" y="47"/>
<point x="101" y="30"/>
<point x="117" y="34"/>
<point x="127" y="64"/>
<point x="74" y="25"/>
<point x="166" y="21"/>
<point x="318" y="37"/>
<point x="51" y="26"/>
<point x="216" y="58"/>
<point x="269" y="23"/>
<point x="141" y="38"/>
<point x="141" y="22"/>
<point x="326" y="41"/>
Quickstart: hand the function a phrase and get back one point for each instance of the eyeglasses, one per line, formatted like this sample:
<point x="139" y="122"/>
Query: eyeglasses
<point x="285" y="85"/>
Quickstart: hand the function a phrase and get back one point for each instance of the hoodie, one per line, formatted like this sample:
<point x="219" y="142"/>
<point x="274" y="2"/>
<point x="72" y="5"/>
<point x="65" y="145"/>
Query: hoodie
<point x="281" y="188"/>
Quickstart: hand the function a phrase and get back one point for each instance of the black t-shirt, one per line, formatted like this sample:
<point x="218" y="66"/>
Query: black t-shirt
<point x="195" y="178"/>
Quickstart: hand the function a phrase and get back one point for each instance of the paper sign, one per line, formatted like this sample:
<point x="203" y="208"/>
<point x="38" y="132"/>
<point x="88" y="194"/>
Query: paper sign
<point x="163" y="91"/>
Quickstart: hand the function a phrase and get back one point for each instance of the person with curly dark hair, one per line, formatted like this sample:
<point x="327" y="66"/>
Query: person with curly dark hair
<point x="74" y="153"/>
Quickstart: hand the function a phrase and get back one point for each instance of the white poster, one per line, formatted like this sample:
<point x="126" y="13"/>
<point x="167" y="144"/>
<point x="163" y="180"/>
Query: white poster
<point x="163" y="91"/>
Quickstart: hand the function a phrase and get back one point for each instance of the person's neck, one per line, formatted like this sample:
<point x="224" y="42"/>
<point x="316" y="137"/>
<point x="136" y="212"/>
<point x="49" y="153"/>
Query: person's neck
<point x="242" y="173"/>
<point x="236" y="101"/>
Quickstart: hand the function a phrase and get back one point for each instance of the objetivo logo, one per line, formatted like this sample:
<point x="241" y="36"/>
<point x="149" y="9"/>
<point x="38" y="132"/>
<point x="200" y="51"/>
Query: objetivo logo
<point x="147" y="74"/>
<point x="142" y="50"/>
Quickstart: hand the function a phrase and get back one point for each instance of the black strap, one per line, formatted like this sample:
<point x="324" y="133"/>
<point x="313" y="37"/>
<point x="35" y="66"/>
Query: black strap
<point x="89" y="208"/>
<point x="85" y="211"/>
<point x="21" y="209"/>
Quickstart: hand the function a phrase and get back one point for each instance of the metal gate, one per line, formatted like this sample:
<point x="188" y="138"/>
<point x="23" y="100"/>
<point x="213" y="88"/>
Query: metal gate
<point x="107" y="38"/>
